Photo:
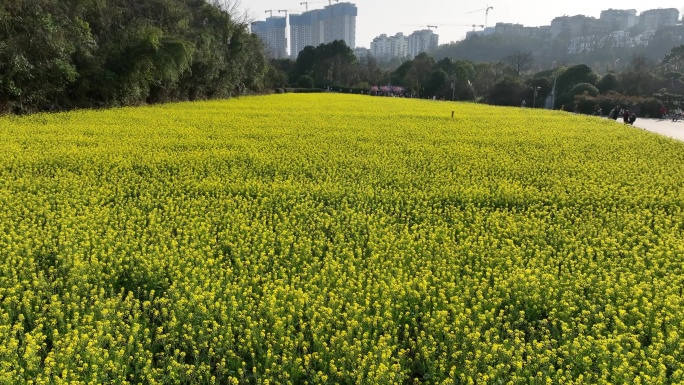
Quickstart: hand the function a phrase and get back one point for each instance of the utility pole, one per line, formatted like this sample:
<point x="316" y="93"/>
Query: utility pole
<point x="553" y="92"/>
<point x="534" y="100"/>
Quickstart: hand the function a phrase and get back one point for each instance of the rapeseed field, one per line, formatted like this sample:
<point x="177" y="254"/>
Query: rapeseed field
<point x="334" y="239"/>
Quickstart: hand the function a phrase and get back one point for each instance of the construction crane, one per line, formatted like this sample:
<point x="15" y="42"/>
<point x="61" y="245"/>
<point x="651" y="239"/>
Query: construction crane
<point x="486" y="11"/>
<point x="461" y="25"/>
<point x="269" y="11"/>
<point x="430" y="27"/>
<point x="306" y="3"/>
<point x="286" y="11"/>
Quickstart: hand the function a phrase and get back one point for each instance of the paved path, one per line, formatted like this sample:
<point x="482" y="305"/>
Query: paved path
<point x="663" y="127"/>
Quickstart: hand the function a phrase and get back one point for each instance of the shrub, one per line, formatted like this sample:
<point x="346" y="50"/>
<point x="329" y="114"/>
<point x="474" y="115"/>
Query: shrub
<point x="305" y="81"/>
<point x="644" y="107"/>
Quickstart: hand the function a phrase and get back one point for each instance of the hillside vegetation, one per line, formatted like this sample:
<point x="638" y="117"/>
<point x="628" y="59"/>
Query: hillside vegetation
<point x="338" y="239"/>
<point x="66" y="54"/>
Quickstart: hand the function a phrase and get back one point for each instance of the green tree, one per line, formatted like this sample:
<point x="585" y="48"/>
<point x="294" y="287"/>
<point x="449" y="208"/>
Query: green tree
<point x="37" y="39"/>
<point x="608" y="82"/>
<point x="509" y="91"/>
<point x="78" y="53"/>
<point x="305" y="81"/>
<point x="414" y="74"/>
<point x="639" y="78"/>
<point x="572" y="76"/>
<point x="674" y="60"/>
<point x="488" y="74"/>
<point x="436" y="83"/>
<point x="328" y="64"/>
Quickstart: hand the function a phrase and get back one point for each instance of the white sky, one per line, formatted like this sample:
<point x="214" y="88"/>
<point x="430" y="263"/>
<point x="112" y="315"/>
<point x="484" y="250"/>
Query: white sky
<point x="377" y="17"/>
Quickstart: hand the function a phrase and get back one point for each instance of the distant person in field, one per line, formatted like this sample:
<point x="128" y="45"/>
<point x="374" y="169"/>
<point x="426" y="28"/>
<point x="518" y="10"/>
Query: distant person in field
<point x="625" y="116"/>
<point x="618" y="111"/>
<point x="523" y="104"/>
<point x="632" y="118"/>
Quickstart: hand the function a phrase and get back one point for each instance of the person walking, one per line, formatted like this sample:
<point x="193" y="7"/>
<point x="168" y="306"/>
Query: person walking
<point x="663" y="112"/>
<point x="625" y="116"/>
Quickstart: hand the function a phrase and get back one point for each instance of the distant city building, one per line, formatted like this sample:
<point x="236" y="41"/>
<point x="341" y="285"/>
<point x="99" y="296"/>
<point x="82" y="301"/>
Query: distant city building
<point x="422" y="41"/>
<point x="301" y="32"/>
<point x="578" y="26"/>
<point x="340" y="23"/>
<point x="619" y="19"/>
<point x="323" y="26"/>
<point x="485" y="32"/>
<point x="542" y="32"/>
<point x="654" y="19"/>
<point x="508" y="29"/>
<point x="385" y="47"/>
<point x="272" y="33"/>
<point x="362" y="54"/>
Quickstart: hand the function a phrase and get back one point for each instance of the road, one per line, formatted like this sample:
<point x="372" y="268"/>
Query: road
<point x="663" y="127"/>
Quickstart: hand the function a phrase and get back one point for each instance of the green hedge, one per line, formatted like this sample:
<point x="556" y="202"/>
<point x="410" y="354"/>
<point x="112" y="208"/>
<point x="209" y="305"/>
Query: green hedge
<point x="644" y="107"/>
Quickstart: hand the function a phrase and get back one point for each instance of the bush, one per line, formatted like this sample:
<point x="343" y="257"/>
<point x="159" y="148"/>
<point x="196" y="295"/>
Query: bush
<point x="304" y="90"/>
<point x="643" y="107"/>
<point x="305" y="81"/>
<point x="584" y="88"/>
<point x="507" y="92"/>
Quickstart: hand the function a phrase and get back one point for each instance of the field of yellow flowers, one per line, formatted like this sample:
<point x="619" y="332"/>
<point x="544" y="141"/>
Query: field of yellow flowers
<point x="332" y="239"/>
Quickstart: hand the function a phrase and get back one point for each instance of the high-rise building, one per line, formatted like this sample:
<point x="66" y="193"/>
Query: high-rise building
<point x="322" y="26"/>
<point x="619" y="19"/>
<point x="578" y="26"/>
<point x="386" y="47"/>
<point x="272" y="33"/>
<point x="654" y="19"/>
<point x="301" y="32"/>
<point x="422" y="41"/>
<point x="340" y="23"/>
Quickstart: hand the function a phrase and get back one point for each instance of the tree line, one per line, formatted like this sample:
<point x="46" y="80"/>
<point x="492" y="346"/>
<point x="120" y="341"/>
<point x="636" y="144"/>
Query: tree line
<point x="641" y="83"/>
<point x="64" y="54"/>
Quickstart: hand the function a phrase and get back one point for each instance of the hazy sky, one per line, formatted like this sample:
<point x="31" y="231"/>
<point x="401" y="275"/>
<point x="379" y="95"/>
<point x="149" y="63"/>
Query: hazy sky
<point x="377" y="17"/>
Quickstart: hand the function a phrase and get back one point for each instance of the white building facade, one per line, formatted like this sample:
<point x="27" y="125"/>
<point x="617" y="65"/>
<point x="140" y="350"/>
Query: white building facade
<point x="323" y="26"/>
<point x="422" y="41"/>
<point x="272" y="33"/>
<point x="385" y="48"/>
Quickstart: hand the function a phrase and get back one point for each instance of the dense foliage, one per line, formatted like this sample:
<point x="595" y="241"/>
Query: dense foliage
<point x="338" y="239"/>
<point x="505" y="82"/>
<point x="60" y="54"/>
